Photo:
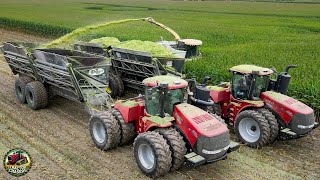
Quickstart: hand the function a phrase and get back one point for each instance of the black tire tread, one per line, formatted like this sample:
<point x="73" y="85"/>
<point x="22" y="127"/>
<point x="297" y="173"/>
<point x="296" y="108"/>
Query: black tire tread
<point x="114" y="84"/>
<point x="120" y="85"/>
<point x="264" y="128"/>
<point x="127" y="129"/>
<point x="177" y="146"/>
<point x="40" y="95"/>
<point x="273" y="123"/>
<point x="22" y="81"/>
<point x="161" y="150"/>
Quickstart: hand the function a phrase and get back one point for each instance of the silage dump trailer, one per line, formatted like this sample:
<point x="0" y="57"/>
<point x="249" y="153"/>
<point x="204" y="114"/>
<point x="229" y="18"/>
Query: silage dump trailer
<point x="75" y="75"/>
<point x="132" y="67"/>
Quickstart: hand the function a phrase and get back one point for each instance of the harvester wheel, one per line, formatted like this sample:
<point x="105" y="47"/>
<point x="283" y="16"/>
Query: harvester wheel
<point x="105" y="130"/>
<point x="120" y="85"/>
<point x="273" y="123"/>
<point x="152" y="154"/>
<point x="127" y="129"/>
<point x="113" y="88"/>
<point x="252" y="128"/>
<point x="36" y="95"/>
<point x="177" y="146"/>
<point x="20" y="86"/>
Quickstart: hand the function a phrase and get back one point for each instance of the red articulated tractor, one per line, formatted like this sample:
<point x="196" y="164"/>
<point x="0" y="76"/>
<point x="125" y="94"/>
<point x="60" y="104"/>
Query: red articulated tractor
<point x="257" y="106"/>
<point x="170" y="132"/>
<point x="17" y="159"/>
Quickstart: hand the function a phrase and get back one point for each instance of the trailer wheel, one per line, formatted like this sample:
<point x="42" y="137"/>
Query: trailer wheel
<point x="105" y="130"/>
<point x="127" y="129"/>
<point x="120" y="85"/>
<point x="152" y="154"/>
<point x="177" y="146"/>
<point x="113" y="88"/>
<point x="36" y="95"/>
<point x="252" y="128"/>
<point x="20" y="86"/>
<point x="273" y="123"/>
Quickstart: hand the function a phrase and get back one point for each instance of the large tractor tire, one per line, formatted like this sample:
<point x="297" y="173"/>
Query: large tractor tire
<point x="105" y="130"/>
<point x="252" y="128"/>
<point x="113" y="88"/>
<point x="120" y="85"/>
<point x="127" y="129"/>
<point x="152" y="154"/>
<point x="273" y="123"/>
<point x="20" y="86"/>
<point x="215" y="109"/>
<point x="36" y="95"/>
<point x="177" y="146"/>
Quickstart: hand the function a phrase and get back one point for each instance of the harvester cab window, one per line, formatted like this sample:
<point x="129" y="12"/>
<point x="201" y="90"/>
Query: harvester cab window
<point x="241" y="85"/>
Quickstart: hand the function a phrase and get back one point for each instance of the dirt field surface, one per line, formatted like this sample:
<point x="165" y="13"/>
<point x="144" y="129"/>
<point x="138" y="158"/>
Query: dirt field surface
<point x="59" y="143"/>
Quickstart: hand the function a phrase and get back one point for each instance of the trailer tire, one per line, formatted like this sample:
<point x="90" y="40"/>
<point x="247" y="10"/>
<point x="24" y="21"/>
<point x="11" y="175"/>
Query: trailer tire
<point x="19" y="88"/>
<point x="127" y="129"/>
<point x="36" y="95"/>
<point x="273" y="123"/>
<point x="152" y="154"/>
<point x="177" y="146"/>
<point x="121" y="86"/>
<point x="114" y="86"/>
<point x="252" y="128"/>
<point x="105" y="130"/>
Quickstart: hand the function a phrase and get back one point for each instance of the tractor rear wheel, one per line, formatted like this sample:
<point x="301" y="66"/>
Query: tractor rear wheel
<point x="20" y="86"/>
<point x="273" y="123"/>
<point x="252" y="128"/>
<point x="36" y="95"/>
<point x="105" y="130"/>
<point x="177" y="146"/>
<point x="127" y="129"/>
<point x="152" y="154"/>
<point x="113" y="88"/>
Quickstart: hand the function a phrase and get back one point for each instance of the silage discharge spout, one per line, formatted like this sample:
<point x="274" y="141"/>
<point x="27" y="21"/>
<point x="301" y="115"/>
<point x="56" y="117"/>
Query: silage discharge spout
<point x="74" y="35"/>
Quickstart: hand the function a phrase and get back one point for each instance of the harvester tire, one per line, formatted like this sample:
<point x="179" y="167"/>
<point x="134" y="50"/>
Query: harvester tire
<point x="120" y="85"/>
<point x="20" y="86"/>
<point x="114" y="86"/>
<point x="177" y="146"/>
<point x="252" y="128"/>
<point x="152" y="154"/>
<point x="215" y="109"/>
<point x="36" y="95"/>
<point x="273" y="123"/>
<point x="127" y="129"/>
<point x="105" y="130"/>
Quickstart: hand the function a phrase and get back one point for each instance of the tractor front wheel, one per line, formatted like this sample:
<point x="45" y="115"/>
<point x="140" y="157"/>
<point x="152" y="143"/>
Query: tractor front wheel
<point x="105" y="130"/>
<point x="36" y="95"/>
<point x="152" y="154"/>
<point x="20" y="86"/>
<point x="177" y="146"/>
<point x="252" y="128"/>
<point x="273" y="123"/>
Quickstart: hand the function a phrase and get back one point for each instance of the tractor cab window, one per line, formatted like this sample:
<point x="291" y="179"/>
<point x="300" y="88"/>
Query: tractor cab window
<point x="261" y="85"/>
<point x="241" y="85"/>
<point x="172" y="97"/>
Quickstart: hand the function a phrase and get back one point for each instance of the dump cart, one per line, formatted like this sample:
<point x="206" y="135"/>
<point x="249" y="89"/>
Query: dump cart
<point x="75" y="75"/>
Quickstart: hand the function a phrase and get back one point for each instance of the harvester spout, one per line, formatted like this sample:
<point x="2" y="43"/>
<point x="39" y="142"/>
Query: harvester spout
<point x="152" y="21"/>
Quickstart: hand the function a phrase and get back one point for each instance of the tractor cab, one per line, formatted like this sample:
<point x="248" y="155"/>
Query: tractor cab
<point x="162" y="93"/>
<point x="249" y="81"/>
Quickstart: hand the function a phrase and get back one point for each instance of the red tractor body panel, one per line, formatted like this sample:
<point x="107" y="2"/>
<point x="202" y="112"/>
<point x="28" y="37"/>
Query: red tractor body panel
<point x="285" y="106"/>
<point x="131" y="110"/>
<point x="14" y="158"/>
<point x="195" y="122"/>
